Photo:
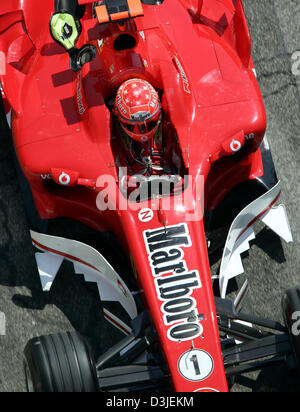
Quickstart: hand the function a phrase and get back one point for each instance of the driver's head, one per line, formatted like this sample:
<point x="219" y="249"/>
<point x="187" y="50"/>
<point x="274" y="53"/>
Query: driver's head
<point x="138" y="109"/>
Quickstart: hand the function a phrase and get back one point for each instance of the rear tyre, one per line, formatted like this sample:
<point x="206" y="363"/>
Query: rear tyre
<point x="60" y="363"/>
<point x="291" y="313"/>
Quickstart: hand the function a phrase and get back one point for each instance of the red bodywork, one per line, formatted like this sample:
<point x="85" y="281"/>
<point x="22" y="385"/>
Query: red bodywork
<point x="198" y="54"/>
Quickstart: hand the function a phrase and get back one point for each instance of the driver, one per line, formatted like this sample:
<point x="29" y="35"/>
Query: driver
<point x="138" y="114"/>
<point x="138" y="109"/>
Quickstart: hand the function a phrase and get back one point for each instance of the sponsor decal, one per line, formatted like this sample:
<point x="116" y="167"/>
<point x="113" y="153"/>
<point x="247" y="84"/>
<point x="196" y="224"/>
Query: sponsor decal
<point x="195" y="365"/>
<point x="207" y="390"/>
<point x="46" y="176"/>
<point x="140" y="116"/>
<point x="81" y="107"/>
<point x="64" y="179"/>
<point x="145" y="215"/>
<point x="120" y="105"/>
<point x="185" y="82"/>
<point x="174" y="282"/>
<point x="235" y="145"/>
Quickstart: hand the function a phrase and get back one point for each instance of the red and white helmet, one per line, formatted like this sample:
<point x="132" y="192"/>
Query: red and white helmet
<point x="138" y="109"/>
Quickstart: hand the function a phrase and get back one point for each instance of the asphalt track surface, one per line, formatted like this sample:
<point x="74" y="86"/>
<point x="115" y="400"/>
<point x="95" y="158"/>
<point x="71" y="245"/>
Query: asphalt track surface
<point x="271" y="265"/>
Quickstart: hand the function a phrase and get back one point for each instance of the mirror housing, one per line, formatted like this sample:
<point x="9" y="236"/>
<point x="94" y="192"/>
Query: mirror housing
<point x="78" y="58"/>
<point x="65" y="29"/>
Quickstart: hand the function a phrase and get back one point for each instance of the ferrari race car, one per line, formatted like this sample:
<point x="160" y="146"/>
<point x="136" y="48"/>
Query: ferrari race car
<point x="202" y="184"/>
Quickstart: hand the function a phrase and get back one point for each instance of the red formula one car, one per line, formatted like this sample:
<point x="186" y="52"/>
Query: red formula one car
<point x="165" y="201"/>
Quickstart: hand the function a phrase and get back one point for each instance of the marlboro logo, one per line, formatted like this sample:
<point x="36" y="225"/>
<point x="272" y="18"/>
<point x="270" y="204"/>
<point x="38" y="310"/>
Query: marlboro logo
<point x="174" y="282"/>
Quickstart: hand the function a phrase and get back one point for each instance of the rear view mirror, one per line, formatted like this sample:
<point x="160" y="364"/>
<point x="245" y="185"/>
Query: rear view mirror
<point x="65" y="29"/>
<point x="82" y="56"/>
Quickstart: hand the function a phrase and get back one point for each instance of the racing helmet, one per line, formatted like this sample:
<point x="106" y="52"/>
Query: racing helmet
<point x="138" y="109"/>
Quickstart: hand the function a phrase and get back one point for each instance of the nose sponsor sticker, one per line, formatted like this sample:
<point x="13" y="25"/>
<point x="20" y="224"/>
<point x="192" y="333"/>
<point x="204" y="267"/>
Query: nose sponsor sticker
<point x="175" y="283"/>
<point x="195" y="365"/>
<point x="145" y="215"/>
<point x="64" y="179"/>
<point x="206" y="390"/>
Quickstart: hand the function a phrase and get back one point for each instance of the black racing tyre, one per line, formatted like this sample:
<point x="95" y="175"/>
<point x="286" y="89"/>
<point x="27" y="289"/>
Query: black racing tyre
<point x="291" y="313"/>
<point x="60" y="363"/>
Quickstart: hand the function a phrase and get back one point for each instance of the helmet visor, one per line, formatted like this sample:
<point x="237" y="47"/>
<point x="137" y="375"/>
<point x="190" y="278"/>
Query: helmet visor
<point x="140" y="128"/>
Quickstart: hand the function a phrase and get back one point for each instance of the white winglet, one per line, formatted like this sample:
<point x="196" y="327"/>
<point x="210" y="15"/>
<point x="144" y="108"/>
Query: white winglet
<point x="48" y="266"/>
<point x="276" y="219"/>
<point x="234" y="265"/>
<point x="241" y="232"/>
<point x="110" y="291"/>
<point x="87" y="261"/>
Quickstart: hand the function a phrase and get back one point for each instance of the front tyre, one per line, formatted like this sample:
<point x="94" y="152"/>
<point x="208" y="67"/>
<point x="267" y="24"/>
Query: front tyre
<point x="60" y="363"/>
